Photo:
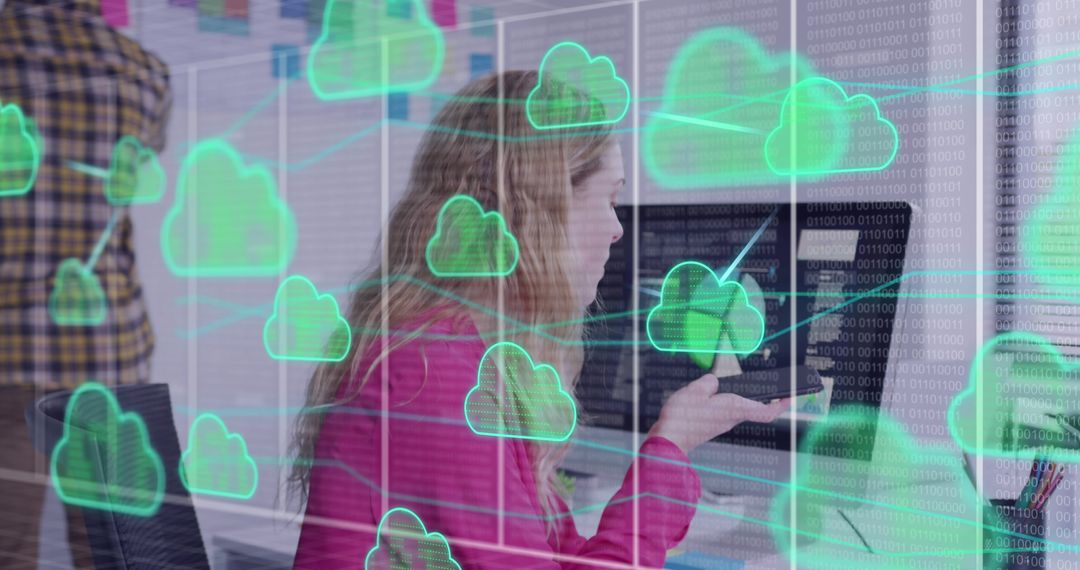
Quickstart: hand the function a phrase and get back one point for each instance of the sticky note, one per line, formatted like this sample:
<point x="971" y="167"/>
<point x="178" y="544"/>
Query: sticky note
<point x="480" y="64"/>
<point x="398" y="106"/>
<point x="211" y="8"/>
<point x="482" y="18"/>
<point x="223" y="25"/>
<point x="399" y="9"/>
<point x="115" y="12"/>
<point x="297" y="9"/>
<point x="444" y="12"/>
<point x="286" y="60"/>
<point x="236" y="9"/>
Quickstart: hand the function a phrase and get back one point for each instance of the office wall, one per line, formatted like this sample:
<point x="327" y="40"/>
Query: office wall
<point x="328" y="158"/>
<point x="327" y="162"/>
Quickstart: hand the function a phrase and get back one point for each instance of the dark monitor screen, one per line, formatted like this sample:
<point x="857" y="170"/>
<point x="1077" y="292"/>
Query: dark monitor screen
<point x="848" y="263"/>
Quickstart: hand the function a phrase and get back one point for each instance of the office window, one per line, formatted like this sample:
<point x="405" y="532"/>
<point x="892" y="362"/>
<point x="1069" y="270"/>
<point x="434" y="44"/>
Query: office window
<point x="1036" y="119"/>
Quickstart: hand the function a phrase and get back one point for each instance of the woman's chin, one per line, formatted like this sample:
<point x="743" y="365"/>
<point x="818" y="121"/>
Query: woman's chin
<point x="590" y="297"/>
<point x="587" y="293"/>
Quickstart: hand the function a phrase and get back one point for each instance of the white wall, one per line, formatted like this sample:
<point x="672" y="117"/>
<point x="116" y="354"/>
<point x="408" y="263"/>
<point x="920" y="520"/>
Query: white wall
<point x="337" y="200"/>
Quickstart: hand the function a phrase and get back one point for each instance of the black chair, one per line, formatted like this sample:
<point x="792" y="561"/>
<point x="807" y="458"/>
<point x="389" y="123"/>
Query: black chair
<point x="168" y="539"/>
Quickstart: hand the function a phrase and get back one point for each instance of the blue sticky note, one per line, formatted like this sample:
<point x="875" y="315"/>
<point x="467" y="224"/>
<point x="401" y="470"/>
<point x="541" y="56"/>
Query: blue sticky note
<point x="285" y="61"/>
<point x="223" y="25"/>
<point x="316" y="10"/>
<point x="211" y="7"/>
<point x="484" y="14"/>
<point x="397" y="106"/>
<point x="297" y="9"/>
<point x="399" y="9"/>
<point x="480" y="64"/>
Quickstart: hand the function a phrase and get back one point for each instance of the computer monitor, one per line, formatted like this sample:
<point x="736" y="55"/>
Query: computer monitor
<point x="848" y="260"/>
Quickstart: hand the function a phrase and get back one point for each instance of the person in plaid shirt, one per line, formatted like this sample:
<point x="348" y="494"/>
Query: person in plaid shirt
<point x="83" y="86"/>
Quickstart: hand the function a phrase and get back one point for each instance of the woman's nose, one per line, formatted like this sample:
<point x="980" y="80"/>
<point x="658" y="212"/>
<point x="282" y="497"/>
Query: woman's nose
<point x="617" y="235"/>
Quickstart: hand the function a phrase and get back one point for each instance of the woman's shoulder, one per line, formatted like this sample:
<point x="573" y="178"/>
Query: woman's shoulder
<point x="449" y="336"/>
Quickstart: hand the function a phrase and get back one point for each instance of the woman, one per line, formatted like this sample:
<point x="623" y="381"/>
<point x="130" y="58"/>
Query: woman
<point x="387" y="428"/>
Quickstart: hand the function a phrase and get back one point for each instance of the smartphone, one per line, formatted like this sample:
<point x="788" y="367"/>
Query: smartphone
<point x="773" y="384"/>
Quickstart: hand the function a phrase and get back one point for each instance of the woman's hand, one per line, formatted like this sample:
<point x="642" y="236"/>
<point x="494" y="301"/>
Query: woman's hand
<point x="696" y="413"/>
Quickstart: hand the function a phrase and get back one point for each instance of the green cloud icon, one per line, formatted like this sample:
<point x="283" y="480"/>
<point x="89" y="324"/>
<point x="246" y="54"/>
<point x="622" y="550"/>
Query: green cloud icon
<point x="529" y="402"/>
<point x="403" y="543"/>
<point x="306" y="325"/>
<point x="135" y="174"/>
<point x="77" y="298"/>
<point x="358" y="36"/>
<point x="552" y="105"/>
<point x="104" y="459"/>
<point x="722" y="97"/>
<point x="812" y="139"/>
<point x="217" y="462"/>
<point x="20" y="151"/>
<point x="1018" y="378"/>
<point x="1050" y="236"/>
<point x="227" y="220"/>
<point x="906" y="526"/>
<point x="699" y="320"/>
<point x="699" y="314"/>
<point x="469" y="242"/>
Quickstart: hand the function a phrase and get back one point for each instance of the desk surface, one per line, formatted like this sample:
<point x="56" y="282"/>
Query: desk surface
<point x="732" y="527"/>
<point x="274" y="546"/>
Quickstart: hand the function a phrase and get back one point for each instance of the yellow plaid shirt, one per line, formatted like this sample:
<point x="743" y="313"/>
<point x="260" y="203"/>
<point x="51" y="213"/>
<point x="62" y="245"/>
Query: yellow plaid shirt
<point x="83" y="85"/>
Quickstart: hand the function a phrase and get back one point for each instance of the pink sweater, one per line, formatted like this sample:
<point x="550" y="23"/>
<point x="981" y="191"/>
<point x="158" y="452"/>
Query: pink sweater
<point x="449" y="476"/>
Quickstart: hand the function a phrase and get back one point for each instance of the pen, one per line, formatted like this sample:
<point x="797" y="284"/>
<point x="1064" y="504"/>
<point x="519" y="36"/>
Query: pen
<point x="1044" y="464"/>
<point x="1045" y="479"/>
<point x="857" y="533"/>
<point x="1053" y="487"/>
<point x="1029" y="488"/>
<point x="1034" y="468"/>
<point x="1022" y="499"/>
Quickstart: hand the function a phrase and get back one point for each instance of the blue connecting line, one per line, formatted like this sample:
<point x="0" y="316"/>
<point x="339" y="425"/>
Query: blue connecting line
<point x="100" y="246"/>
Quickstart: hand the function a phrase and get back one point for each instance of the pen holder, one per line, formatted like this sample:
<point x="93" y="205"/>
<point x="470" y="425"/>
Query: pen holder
<point x="1009" y="552"/>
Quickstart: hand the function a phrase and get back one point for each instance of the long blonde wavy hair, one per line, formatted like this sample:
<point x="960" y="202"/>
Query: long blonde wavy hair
<point x="459" y="154"/>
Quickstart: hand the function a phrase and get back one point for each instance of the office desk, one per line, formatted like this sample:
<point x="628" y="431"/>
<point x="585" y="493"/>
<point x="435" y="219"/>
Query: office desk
<point x="733" y="536"/>
<point x="738" y="527"/>
<point x="731" y="527"/>
<point x="265" y="547"/>
<point x="724" y="528"/>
